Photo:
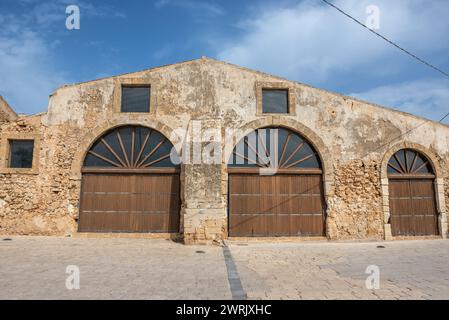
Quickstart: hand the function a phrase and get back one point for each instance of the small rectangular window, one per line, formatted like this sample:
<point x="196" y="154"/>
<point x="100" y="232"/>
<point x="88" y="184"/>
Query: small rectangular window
<point x="21" y="153"/>
<point x="136" y="99"/>
<point x="275" y="101"/>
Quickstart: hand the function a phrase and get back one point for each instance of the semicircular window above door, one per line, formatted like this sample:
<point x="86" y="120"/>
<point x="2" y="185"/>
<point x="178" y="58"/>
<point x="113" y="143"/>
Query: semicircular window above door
<point x="274" y="148"/>
<point x="409" y="161"/>
<point x="132" y="147"/>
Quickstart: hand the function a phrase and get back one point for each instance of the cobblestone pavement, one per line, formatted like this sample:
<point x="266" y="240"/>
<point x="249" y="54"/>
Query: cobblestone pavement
<point x="113" y="268"/>
<point x="407" y="269"/>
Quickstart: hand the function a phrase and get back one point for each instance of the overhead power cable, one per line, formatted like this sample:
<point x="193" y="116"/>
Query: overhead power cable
<point x="403" y="50"/>
<point x="388" y="40"/>
<point x="442" y="119"/>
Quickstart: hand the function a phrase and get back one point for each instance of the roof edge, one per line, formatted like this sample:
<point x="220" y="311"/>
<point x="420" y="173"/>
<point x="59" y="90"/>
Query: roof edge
<point x="204" y="58"/>
<point x="344" y="97"/>
<point x="133" y="72"/>
<point x="6" y="108"/>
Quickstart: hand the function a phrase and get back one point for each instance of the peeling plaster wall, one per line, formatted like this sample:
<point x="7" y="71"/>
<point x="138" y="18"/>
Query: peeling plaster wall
<point x="351" y="136"/>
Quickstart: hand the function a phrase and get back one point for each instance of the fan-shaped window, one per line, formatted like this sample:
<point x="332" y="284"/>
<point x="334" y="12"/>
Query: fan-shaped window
<point x="409" y="161"/>
<point x="132" y="147"/>
<point x="274" y="148"/>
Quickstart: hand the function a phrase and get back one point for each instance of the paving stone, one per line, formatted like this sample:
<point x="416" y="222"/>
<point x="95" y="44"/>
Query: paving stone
<point x="408" y="269"/>
<point x="35" y="268"/>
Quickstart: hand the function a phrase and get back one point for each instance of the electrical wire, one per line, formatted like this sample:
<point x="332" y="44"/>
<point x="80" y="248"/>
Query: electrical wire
<point x="388" y="40"/>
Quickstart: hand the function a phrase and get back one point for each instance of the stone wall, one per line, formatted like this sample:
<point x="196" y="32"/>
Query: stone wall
<point x="355" y="211"/>
<point x="41" y="201"/>
<point x="351" y="136"/>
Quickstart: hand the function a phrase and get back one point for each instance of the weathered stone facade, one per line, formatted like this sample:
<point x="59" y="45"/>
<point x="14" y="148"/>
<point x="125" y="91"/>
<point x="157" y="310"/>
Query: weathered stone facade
<point x="351" y="136"/>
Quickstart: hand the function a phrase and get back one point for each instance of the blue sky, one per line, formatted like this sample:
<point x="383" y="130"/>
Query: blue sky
<point x="305" y="41"/>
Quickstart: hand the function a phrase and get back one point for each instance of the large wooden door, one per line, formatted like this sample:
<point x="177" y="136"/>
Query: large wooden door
<point x="130" y="184"/>
<point x="413" y="209"/>
<point x="280" y="205"/>
<point x="275" y="186"/>
<point x="129" y="203"/>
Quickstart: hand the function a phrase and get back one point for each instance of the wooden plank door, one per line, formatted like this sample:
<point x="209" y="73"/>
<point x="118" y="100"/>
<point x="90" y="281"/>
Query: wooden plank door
<point x="300" y="205"/>
<point x="281" y="205"/>
<point x="413" y="209"/>
<point x="129" y="203"/>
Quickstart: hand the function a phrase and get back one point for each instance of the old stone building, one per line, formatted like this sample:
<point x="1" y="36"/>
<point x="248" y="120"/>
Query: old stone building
<point x="207" y="150"/>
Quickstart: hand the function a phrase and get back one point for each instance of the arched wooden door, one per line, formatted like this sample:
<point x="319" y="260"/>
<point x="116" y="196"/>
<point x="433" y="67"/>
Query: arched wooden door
<point x="130" y="184"/>
<point x="413" y="210"/>
<point x="275" y="186"/>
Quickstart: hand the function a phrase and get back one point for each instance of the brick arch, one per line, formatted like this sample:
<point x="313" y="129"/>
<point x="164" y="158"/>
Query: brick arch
<point x="288" y="123"/>
<point x="439" y="169"/>
<point x="89" y="139"/>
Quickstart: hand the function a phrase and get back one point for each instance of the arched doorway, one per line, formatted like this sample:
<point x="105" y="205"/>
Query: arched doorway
<point x="130" y="183"/>
<point x="411" y="179"/>
<point x="275" y="186"/>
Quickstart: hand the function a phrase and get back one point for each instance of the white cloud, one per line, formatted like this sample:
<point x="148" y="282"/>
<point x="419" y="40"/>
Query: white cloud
<point x="163" y="52"/>
<point x="46" y="13"/>
<point x="28" y="74"/>
<point x="428" y="98"/>
<point x="201" y="10"/>
<point x="312" y="42"/>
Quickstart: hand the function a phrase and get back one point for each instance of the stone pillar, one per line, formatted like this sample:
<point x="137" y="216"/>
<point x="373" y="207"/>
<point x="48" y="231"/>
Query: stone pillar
<point x="441" y="206"/>
<point x="386" y="208"/>
<point x="203" y="207"/>
<point x="203" y="210"/>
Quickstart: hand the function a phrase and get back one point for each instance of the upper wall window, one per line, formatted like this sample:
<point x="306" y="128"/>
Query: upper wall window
<point x="275" y="101"/>
<point x="136" y="99"/>
<point x="21" y="153"/>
